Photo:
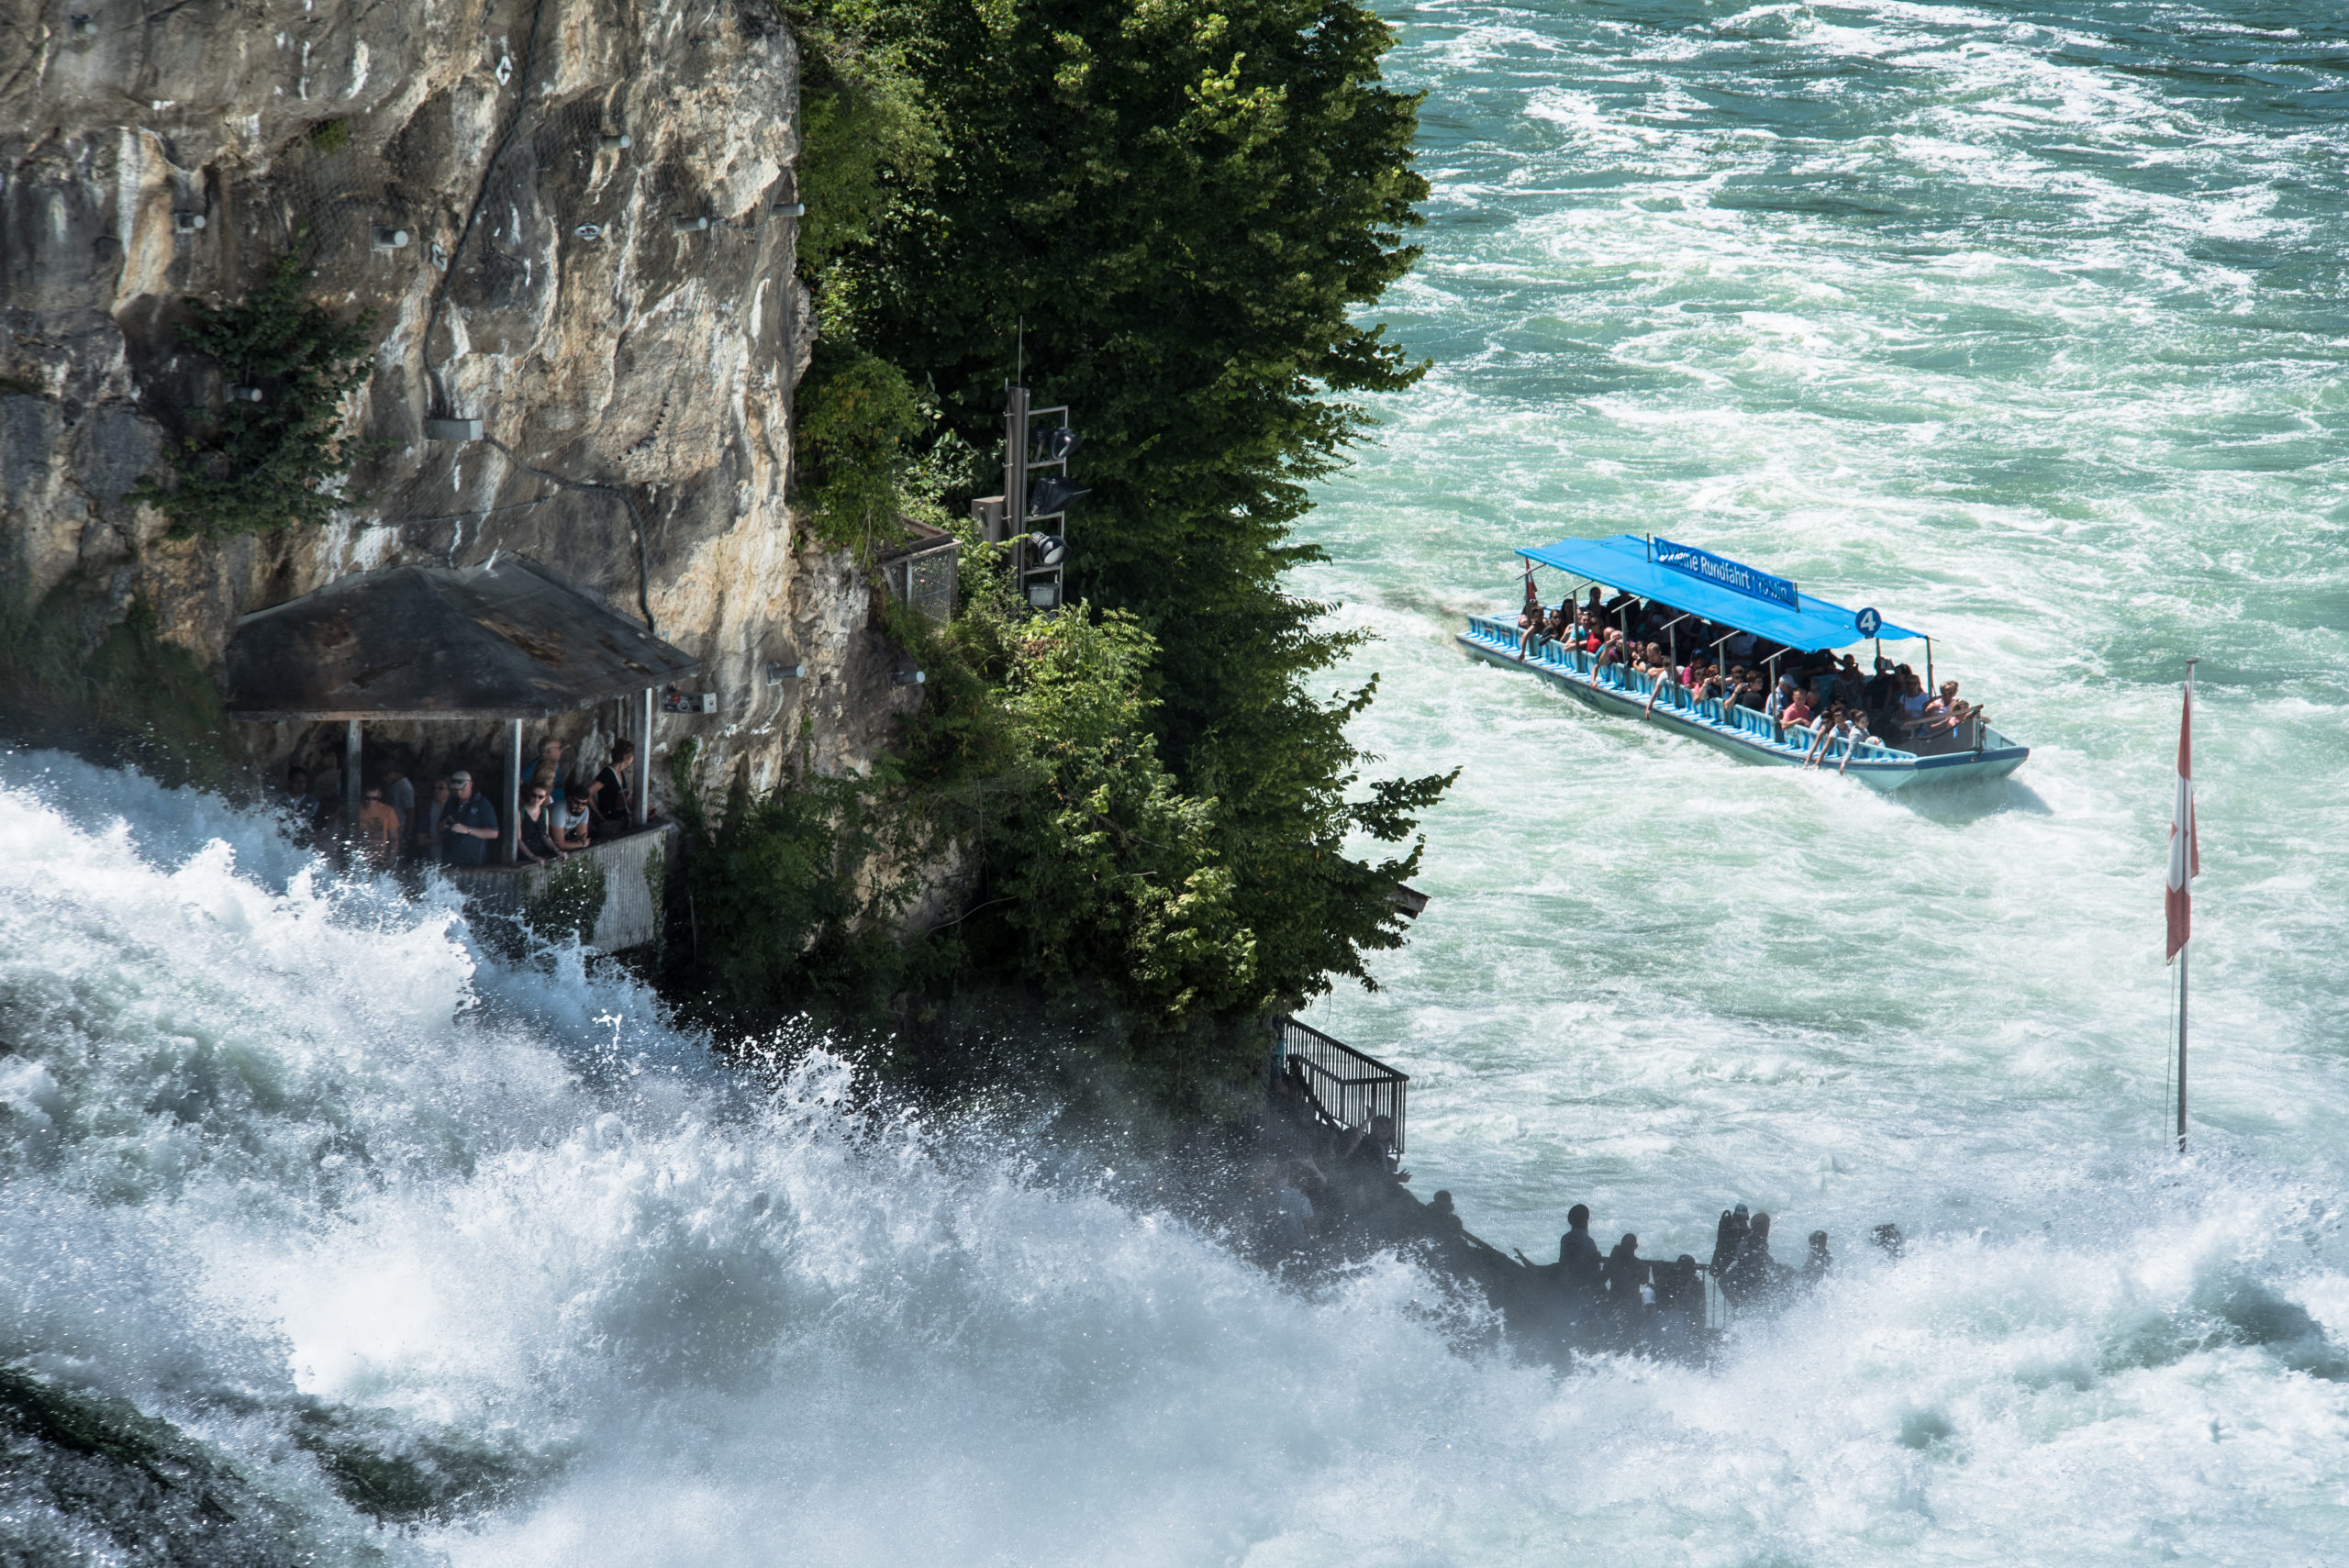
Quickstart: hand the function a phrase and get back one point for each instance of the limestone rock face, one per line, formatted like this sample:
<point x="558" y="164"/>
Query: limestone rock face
<point x="622" y="318"/>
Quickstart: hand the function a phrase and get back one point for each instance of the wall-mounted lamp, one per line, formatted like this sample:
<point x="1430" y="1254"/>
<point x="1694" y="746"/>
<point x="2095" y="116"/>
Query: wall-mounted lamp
<point x="778" y="672"/>
<point x="244" y="394"/>
<point x="615" y="141"/>
<point x="683" y="225"/>
<point x="186" y="222"/>
<point x="452" y="430"/>
<point x="387" y="237"/>
<point x="907" y="677"/>
<point x="591" y="232"/>
<point x="84" y="27"/>
<point x="791" y="209"/>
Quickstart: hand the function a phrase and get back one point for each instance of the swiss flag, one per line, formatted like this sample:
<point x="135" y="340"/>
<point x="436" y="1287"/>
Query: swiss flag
<point x="2185" y="854"/>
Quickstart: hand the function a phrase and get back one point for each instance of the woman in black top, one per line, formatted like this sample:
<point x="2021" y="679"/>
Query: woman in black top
<point x="538" y="839"/>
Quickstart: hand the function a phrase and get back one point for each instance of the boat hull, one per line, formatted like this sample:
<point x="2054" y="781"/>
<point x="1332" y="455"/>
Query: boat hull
<point x="1739" y="733"/>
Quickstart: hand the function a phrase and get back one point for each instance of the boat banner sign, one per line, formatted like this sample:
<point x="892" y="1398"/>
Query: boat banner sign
<point x="1734" y="575"/>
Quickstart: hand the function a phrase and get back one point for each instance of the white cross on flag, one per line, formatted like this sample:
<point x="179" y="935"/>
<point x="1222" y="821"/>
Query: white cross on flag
<point x="2185" y="854"/>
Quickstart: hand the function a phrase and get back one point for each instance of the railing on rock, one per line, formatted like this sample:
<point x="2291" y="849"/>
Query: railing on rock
<point x="1350" y="1087"/>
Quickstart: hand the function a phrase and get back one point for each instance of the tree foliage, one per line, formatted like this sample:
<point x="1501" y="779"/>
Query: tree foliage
<point x="262" y="466"/>
<point x="1183" y="201"/>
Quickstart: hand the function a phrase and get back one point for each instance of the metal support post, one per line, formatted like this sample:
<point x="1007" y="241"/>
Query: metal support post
<point x="1015" y="459"/>
<point x="644" y="765"/>
<point x="350" y="779"/>
<point x="514" y="792"/>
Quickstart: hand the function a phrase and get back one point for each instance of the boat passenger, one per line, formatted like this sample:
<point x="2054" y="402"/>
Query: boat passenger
<point x="1946" y="714"/>
<point x="1851" y="687"/>
<point x="1841" y="723"/>
<point x="1909" y="705"/>
<point x="1610" y="651"/>
<point x="1887" y="1235"/>
<point x="1815" y="1267"/>
<point x="1796" y="711"/>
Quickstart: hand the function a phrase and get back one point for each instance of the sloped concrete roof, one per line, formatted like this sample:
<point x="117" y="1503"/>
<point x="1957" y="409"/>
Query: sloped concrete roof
<point x="509" y="639"/>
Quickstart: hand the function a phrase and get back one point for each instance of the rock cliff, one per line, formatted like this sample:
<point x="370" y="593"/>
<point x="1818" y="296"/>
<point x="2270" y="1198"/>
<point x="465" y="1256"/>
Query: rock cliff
<point x="573" y="221"/>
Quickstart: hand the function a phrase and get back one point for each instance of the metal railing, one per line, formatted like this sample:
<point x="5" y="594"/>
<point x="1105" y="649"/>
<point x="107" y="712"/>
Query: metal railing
<point x="1350" y="1087"/>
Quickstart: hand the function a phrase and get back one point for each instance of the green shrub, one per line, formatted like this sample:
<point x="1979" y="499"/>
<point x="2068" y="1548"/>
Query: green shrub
<point x="262" y="466"/>
<point x="856" y="413"/>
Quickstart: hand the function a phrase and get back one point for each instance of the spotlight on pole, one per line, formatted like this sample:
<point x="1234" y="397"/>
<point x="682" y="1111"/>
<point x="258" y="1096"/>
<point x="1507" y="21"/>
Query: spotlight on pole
<point x="1053" y="493"/>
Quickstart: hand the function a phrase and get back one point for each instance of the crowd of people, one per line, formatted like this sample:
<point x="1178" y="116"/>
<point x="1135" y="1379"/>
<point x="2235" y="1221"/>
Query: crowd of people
<point x="453" y="821"/>
<point x="1323" y="1187"/>
<point x="1811" y="691"/>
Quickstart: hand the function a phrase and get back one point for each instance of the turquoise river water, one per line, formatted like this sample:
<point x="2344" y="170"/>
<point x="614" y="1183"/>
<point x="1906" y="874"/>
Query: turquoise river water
<point x="2025" y="324"/>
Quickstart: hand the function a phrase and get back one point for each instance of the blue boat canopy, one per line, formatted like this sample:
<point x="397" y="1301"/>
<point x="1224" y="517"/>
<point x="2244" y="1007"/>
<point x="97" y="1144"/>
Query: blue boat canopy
<point x="1716" y="588"/>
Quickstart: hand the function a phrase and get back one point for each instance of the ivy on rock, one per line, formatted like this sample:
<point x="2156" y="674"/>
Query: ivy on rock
<point x="280" y="462"/>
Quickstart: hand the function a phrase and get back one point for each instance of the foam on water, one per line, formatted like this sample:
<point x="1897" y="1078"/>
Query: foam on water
<point x="268" y="1136"/>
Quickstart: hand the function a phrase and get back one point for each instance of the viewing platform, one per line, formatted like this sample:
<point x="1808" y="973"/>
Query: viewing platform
<point x="608" y="895"/>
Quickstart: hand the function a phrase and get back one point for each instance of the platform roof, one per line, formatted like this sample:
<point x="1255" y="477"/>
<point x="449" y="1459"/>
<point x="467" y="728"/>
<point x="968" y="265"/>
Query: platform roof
<point x="1626" y="561"/>
<point x="509" y="639"/>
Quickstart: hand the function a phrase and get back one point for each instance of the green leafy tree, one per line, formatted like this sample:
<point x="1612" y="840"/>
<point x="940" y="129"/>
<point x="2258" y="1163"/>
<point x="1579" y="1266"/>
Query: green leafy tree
<point x="266" y="465"/>
<point x="1184" y="201"/>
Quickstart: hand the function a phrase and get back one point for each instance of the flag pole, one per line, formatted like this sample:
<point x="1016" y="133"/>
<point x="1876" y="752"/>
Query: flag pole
<point x="2184" y="952"/>
<point x="2181" y="1050"/>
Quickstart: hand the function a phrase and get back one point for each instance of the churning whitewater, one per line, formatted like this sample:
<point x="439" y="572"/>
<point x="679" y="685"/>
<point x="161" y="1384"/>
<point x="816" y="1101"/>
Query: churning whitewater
<point x="273" y="1141"/>
<point x="2024" y="323"/>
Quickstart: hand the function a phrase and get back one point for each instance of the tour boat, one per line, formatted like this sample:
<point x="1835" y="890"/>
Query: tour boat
<point x="1699" y="585"/>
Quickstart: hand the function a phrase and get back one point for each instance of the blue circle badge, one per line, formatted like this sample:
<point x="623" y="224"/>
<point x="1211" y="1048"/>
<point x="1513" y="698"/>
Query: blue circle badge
<point x="1869" y="623"/>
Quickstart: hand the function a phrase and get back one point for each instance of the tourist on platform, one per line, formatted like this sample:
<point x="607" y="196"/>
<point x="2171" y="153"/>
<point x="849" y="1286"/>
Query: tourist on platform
<point x="377" y="832"/>
<point x="471" y="826"/>
<point x="1580" y="1269"/>
<point x="537" y="844"/>
<point x="1679" y="1310"/>
<point x="430" y="817"/>
<point x="1678" y="1288"/>
<point x="1727" y="1238"/>
<point x="1753" y="1274"/>
<point x="399" y="793"/>
<point x="572" y="819"/>
<point x="1443" y="1218"/>
<point x="1817" y="1266"/>
<point x="298" y="799"/>
<point x="614" y="796"/>
<point x="1366" y="1152"/>
<point x="548" y="774"/>
<point x="1329" y="1208"/>
<point x="1628" y="1290"/>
